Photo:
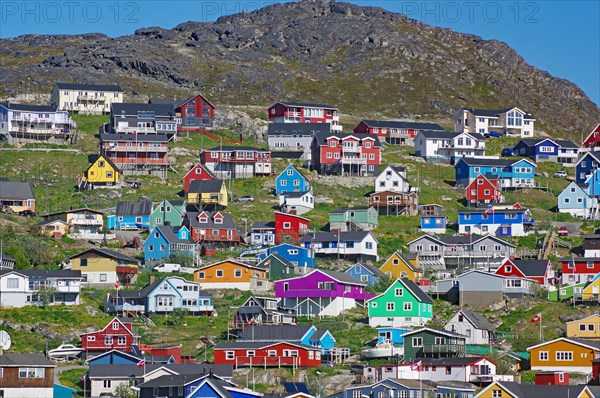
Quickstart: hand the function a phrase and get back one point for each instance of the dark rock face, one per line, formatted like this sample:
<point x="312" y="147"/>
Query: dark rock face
<point x="363" y="59"/>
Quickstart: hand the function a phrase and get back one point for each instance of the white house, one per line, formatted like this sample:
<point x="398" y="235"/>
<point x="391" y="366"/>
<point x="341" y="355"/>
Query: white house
<point x="33" y="123"/>
<point x="350" y="245"/>
<point x="447" y="147"/>
<point x="482" y="121"/>
<point x="14" y="289"/>
<point x="393" y="179"/>
<point x="462" y="369"/>
<point x="21" y="288"/>
<point x="85" y="98"/>
<point x="297" y="202"/>
<point x="472" y="324"/>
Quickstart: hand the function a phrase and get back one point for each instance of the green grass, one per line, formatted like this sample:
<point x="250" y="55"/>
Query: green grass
<point x="70" y="378"/>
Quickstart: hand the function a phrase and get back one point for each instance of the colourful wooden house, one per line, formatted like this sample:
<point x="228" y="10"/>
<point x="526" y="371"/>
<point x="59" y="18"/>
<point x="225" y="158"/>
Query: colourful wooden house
<point x="305" y="334"/>
<point x="52" y="228"/>
<point x="432" y="219"/>
<point x="277" y="267"/>
<point x="196" y="113"/>
<point x="299" y="256"/>
<point x="512" y="173"/>
<point x="263" y="354"/>
<point x="167" y="213"/>
<point x="433" y="343"/>
<point x="207" y="194"/>
<point x="566" y="292"/>
<point x="215" y="228"/>
<point x="591" y="290"/>
<point x="102" y="172"/>
<point x="577" y="200"/>
<point x="593" y="139"/>
<point x="346" y="154"/>
<point x="576" y="270"/>
<point x="262" y="233"/>
<point x="103" y="268"/>
<point x="201" y="383"/>
<point x="291" y="180"/>
<point x="198" y="172"/>
<point x="511" y="389"/>
<point x="321" y="293"/>
<point x="353" y="219"/>
<point x="164" y="241"/>
<point x="366" y="273"/>
<point x="16" y="196"/>
<point x="565" y="354"/>
<point x="402" y="304"/>
<point x="585" y="328"/>
<point x="117" y="334"/>
<point x="131" y="215"/>
<point x="289" y="228"/>
<point x="586" y="167"/>
<point x="400" y="265"/>
<point x="483" y="190"/>
<point x="498" y="222"/>
<point x="538" y="270"/>
<point x="232" y="274"/>
<point x="563" y="152"/>
<point x="262" y="310"/>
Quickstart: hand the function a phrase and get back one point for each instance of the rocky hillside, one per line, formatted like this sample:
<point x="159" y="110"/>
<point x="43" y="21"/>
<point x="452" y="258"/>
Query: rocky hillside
<point x="366" y="60"/>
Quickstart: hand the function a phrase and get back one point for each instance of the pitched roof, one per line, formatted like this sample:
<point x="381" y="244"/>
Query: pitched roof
<point x="231" y="261"/>
<point x="201" y="186"/>
<point x="395" y="124"/>
<point x="494" y="112"/>
<point x="478" y="320"/>
<point x="447" y="135"/>
<point x="28" y="108"/>
<point x="438" y="331"/>
<point x="16" y="190"/>
<point x="492" y="162"/>
<point x="170" y="234"/>
<point x="133" y="208"/>
<point x="263" y="225"/>
<point x="293" y="195"/>
<point x="192" y="216"/>
<point x="595" y="345"/>
<point x="83" y="209"/>
<point x="532" y="267"/>
<point x="340" y="276"/>
<point x="133" y="108"/>
<point x="85" y="86"/>
<point x="297" y="128"/>
<point x="416" y="291"/>
<point x="258" y="344"/>
<point x="333" y="236"/>
<point x="457" y="361"/>
<point x="107" y="253"/>
<point x="237" y="148"/>
<point x="306" y="104"/>
<point x="518" y="390"/>
<point x="42" y="273"/>
<point x="134" y="138"/>
<point x="322" y="137"/>
<point x="107" y="159"/>
<point x="274" y="333"/>
<point x="13" y="360"/>
<point x="408" y="263"/>
<point x="371" y="268"/>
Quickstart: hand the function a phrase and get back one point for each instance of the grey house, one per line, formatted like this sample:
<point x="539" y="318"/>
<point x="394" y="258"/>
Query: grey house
<point x="458" y="252"/>
<point x="292" y="140"/>
<point x="129" y="118"/>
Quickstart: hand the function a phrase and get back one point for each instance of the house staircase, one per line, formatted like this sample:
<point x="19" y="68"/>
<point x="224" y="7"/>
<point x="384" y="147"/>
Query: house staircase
<point x="253" y="251"/>
<point x="352" y="226"/>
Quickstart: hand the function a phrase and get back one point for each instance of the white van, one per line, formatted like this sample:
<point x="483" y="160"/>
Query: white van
<point x="167" y="267"/>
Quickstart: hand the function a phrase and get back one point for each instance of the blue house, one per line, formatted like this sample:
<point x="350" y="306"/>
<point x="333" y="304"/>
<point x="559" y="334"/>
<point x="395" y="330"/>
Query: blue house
<point x="389" y="388"/>
<point x="291" y="180"/>
<point x="60" y="391"/>
<point x="189" y="386"/>
<point x="299" y="334"/>
<point x="586" y="166"/>
<point x="495" y="221"/>
<point x="164" y="241"/>
<point x="262" y="233"/>
<point x="365" y="273"/>
<point x="576" y="200"/>
<point x="297" y="255"/>
<point x="432" y="219"/>
<point x="131" y="215"/>
<point x="512" y="173"/>
<point x="391" y="334"/>
<point x="114" y="357"/>
<point x="564" y="152"/>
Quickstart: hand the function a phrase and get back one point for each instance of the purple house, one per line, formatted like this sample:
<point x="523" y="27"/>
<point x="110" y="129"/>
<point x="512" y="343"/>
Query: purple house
<point x="321" y="293"/>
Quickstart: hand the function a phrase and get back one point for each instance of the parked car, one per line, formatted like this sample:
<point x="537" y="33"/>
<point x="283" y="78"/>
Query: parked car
<point x="508" y="152"/>
<point x="167" y="267"/>
<point x="492" y="134"/>
<point x="245" y="199"/>
<point x="27" y="213"/>
<point x="563" y="231"/>
<point x="327" y="363"/>
<point x="560" y="174"/>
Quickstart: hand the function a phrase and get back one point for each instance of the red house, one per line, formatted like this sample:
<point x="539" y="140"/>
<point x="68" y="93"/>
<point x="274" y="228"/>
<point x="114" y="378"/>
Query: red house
<point x="196" y="113"/>
<point x="347" y="154"/>
<point x="267" y="354"/>
<point x="198" y="172"/>
<point x="579" y="269"/>
<point x="290" y="227"/>
<point x="538" y="270"/>
<point x="301" y="112"/>
<point x="209" y="227"/>
<point x="137" y="154"/>
<point x="237" y="161"/>
<point x="555" y="378"/>
<point x="118" y="335"/>
<point x="395" y="132"/>
<point x="593" y="139"/>
<point x="484" y="190"/>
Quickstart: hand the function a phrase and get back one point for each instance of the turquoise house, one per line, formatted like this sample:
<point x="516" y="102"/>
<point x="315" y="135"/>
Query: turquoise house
<point x="167" y="213"/>
<point x="512" y="173"/>
<point x="353" y="219"/>
<point x="60" y="391"/>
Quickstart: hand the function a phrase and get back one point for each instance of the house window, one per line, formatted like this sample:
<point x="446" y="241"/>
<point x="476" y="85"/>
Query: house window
<point x="250" y="353"/>
<point x="374" y="305"/>
<point x="108" y="340"/>
<point x="272" y="353"/>
<point x="200" y="275"/>
<point x="496" y="393"/>
<point x="287" y="225"/>
<point x="12" y="283"/>
<point x="122" y="340"/>
<point x="290" y="172"/>
<point x="417" y="341"/>
<point x="230" y="355"/>
<point x="564" y="355"/>
<point x="399" y="292"/>
<point x="31" y="373"/>
<point x="91" y="338"/>
<point x="115" y="326"/>
<point x="591" y="327"/>
<point x="407" y="306"/>
<point x="219" y="273"/>
<point x="102" y="277"/>
<point x="390" y="306"/>
<point x="237" y="273"/>
<point x="448" y="370"/>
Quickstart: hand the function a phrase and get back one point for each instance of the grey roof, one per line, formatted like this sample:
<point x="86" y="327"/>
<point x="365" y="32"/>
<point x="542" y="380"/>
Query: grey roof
<point x="491" y="162"/>
<point x="398" y="169"/>
<point x="237" y="148"/>
<point x="200" y="186"/>
<point x="322" y="137"/>
<point x="242" y="345"/>
<point x="16" y="190"/>
<point x="142" y="293"/>
<point x="458" y="361"/>
<point x="263" y="225"/>
<point x="42" y="273"/>
<point x="133" y="208"/>
<point x="541" y="390"/>
<point x="435" y="331"/>
<point x="342" y="210"/>
<point x="566" y="144"/>
<point x="408" y="263"/>
<point x="181" y="380"/>
<point x="537" y="141"/>
<point x="371" y="268"/>
<point x="395" y="124"/>
<point x="306" y="104"/>
<point x="170" y="234"/>
<point x="333" y="236"/>
<point x="532" y="267"/>
<point x="416" y="291"/>
<point x="493" y="112"/>
<point x="282" y="260"/>
<point x="478" y="320"/>
<point x="591" y="343"/>
<point x="274" y="333"/>
<point x="196" y="369"/>
<point x="10" y="360"/>
<point x="83" y="209"/>
<point x="294" y="194"/>
<point x="192" y="216"/>
<point x="297" y="128"/>
<point x="84" y="86"/>
<point x="132" y="109"/>
<point x="483" y="210"/>
<point x="6" y="257"/>
<point x="134" y="138"/>
<point x="28" y="108"/>
<point x="341" y="277"/>
<point x="447" y="135"/>
<point x="107" y="253"/>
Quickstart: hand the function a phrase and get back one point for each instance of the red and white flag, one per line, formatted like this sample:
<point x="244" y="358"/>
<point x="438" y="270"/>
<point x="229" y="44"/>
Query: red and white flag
<point x="141" y="363"/>
<point x="250" y="322"/>
<point x="416" y="366"/>
<point x="536" y="318"/>
<point x="117" y="285"/>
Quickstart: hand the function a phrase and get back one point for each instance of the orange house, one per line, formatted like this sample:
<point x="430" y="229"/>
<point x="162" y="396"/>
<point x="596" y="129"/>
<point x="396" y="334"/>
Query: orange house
<point x="564" y="354"/>
<point x="232" y="274"/>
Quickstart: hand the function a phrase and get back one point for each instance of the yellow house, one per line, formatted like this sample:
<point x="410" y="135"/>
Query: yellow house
<point x="83" y="223"/>
<point x="101" y="173"/>
<point x="16" y="196"/>
<point x="212" y="193"/>
<point x="102" y="268"/>
<point x="591" y="291"/>
<point x="564" y="354"/>
<point x="586" y="328"/>
<point x="232" y="274"/>
<point x="511" y="389"/>
<point x="52" y="228"/>
<point x="400" y="266"/>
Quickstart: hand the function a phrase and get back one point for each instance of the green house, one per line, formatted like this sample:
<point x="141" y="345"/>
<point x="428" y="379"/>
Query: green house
<point x="353" y="219"/>
<point x="566" y="292"/>
<point x="402" y="304"/>
<point x="277" y="267"/>
<point x="433" y="343"/>
<point x="167" y="213"/>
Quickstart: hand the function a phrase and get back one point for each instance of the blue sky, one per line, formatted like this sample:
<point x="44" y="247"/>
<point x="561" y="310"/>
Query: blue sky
<point x="561" y="37"/>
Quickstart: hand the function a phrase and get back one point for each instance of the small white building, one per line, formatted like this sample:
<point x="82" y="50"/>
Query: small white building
<point x="462" y="369"/>
<point x="505" y="121"/>
<point x="476" y="327"/>
<point x="87" y="99"/>
<point x="448" y="147"/>
<point x="351" y="245"/>
<point x="297" y="202"/>
<point x="35" y="123"/>
<point x="22" y="288"/>
<point x="393" y="179"/>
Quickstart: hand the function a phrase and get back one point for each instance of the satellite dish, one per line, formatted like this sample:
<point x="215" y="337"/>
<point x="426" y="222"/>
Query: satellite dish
<point x="5" y="340"/>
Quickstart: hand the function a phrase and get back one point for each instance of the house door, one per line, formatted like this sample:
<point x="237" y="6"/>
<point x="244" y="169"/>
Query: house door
<point x="595" y="290"/>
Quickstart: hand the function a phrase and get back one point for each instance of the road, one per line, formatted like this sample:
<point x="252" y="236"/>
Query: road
<point x="573" y="227"/>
